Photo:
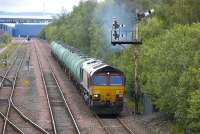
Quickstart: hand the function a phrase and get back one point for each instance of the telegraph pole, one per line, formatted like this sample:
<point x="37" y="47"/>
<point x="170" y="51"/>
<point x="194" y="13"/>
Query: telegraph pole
<point x="135" y="42"/>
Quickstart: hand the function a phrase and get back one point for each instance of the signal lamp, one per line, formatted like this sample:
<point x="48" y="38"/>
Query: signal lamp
<point x="115" y="24"/>
<point x="115" y="35"/>
<point x="145" y="14"/>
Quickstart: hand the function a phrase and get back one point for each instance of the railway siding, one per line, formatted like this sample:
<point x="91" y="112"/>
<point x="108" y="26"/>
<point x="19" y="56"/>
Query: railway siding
<point x="62" y="120"/>
<point x="60" y="114"/>
<point x="13" y="118"/>
<point x="66" y="111"/>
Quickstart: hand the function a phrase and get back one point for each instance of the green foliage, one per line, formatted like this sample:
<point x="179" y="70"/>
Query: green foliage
<point x="194" y="111"/>
<point x="5" y="38"/>
<point x="168" y="69"/>
<point x="169" y="56"/>
<point x="73" y="28"/>
<point x="152" y="28"/>
<point x="96" y="40"/>
<point x="173" y="11"/>
<point x="175" y="128"/>
<point x="124" y="61"/>
<point x="8" y="52"/>
<point x="180" y="11"/>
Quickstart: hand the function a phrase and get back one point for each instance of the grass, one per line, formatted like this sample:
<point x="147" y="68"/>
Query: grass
<point x="2" y="45"/>
<point x="6" y="54"/>
<point x="175" y="128"/>
<point x="130" y="103"/>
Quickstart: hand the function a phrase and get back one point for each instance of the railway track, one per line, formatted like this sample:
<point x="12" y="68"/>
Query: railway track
<point x="14" y="119"/>
<point x="62" y="119"/>
<point x="12" y="60"/>
<point x="4" y="99"/>
<point x="120" y="127"/>
<point x="114" y="125"/>
<point x="7" y="71"/>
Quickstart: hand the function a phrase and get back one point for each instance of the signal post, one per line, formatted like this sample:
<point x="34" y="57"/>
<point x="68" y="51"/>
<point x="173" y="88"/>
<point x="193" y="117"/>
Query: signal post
<point x="118" y="39"/>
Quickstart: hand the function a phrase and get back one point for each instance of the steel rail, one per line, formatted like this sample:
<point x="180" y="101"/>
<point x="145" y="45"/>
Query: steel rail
<point x="1" y="85"/>
<point x="12" y="124"/>
<point x="102" y="124"/>
<point x="11" y="103"/>
<point x="27" y="119"/>
<point x="46" y="92"/>
<point x="119" y="120"/>
<point x="11" y="95"/>
<point x="100" y="121"/>
<point x="125" y="126"/>
<point x="7" y="71"/>
<point x="63" y="97"/>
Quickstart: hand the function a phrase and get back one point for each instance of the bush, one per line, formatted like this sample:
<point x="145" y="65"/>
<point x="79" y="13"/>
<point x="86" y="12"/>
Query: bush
<point x="5" y="38"/>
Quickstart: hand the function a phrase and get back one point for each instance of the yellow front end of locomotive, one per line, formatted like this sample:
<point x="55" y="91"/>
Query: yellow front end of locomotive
<point x="108" y="94"/>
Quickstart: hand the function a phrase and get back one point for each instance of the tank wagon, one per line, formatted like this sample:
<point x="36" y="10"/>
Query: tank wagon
<point x="101" y="85"/>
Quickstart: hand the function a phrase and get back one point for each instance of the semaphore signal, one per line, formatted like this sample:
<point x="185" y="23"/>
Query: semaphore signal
<point x="135" y="41"/>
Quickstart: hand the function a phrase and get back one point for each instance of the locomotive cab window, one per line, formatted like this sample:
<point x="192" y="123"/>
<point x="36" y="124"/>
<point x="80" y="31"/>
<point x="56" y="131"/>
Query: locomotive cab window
<point x="100" y="80"/>
<point x="116" y="80"/>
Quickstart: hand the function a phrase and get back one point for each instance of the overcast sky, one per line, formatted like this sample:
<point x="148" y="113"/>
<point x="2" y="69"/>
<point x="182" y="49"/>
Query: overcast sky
<point x="52" y="6"/>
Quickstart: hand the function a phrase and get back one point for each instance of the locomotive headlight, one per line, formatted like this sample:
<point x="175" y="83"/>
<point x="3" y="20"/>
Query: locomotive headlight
<point x="96" y="95"/>
<point x="119" y="92"/>
<point x="119" y="95"/>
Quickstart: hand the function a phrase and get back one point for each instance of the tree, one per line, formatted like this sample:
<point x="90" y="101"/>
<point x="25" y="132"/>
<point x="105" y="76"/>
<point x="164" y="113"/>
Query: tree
<point x="168" y="69"/>
<point x="194" y="112"/>
<point x="169" y="56"/>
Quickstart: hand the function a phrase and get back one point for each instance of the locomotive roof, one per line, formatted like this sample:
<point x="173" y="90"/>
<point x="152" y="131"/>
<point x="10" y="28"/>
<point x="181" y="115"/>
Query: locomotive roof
<point x="92" y="65"/>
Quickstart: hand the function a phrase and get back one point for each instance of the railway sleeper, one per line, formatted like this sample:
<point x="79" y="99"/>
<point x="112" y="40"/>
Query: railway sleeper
<point x="48" y="76"/>
<point x="7" y="82"/>
<point x="3" y="102"/>
<point x="57" y="103"/>
<point x="52" y="86"/>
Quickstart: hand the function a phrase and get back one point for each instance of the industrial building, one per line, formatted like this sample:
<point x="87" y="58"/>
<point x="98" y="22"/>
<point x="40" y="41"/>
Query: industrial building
<point x="23" y="26"/>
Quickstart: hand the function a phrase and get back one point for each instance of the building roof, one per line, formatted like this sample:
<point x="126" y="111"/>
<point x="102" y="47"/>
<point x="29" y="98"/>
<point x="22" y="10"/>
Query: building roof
<point x="8" y="24"/>
<point x="45" y="17"/>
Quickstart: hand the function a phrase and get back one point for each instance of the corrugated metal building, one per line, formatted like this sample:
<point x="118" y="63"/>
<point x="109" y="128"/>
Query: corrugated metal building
<point x="5" y="28"/>
<point x="23" y="25"/>
<point x="27" y="29"/>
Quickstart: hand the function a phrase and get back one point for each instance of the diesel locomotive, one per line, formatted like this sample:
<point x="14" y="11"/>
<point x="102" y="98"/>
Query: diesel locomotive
<point x="101" y="85"/>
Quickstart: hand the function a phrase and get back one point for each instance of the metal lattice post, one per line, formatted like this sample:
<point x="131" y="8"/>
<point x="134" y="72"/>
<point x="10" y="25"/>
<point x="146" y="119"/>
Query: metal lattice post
<point x="136" y="77"/>
<point x="136" y="62"/>
<point x="115" y="34"/>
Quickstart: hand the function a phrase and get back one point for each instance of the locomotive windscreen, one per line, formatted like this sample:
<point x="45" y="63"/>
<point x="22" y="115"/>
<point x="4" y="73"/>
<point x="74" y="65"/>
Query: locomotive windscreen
<point x="100" y="80"/>
<point x="111" y="79"/>
<point x="116" y="80"/>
